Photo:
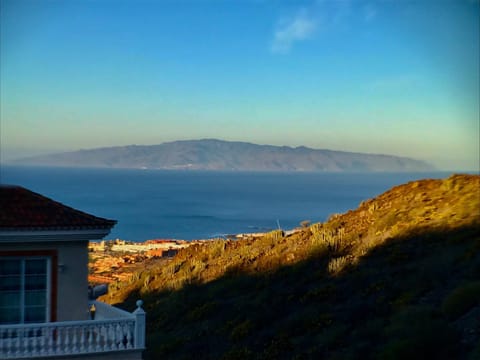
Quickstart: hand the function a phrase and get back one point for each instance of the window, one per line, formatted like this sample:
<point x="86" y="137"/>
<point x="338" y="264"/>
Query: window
<point x="24" y="289"/>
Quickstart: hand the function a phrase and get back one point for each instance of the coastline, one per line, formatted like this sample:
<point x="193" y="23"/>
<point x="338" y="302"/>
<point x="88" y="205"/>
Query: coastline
<point x="116" y="260"/>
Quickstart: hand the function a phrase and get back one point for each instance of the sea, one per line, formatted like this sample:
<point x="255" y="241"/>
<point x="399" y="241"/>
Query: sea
<point x="187" y="205"/>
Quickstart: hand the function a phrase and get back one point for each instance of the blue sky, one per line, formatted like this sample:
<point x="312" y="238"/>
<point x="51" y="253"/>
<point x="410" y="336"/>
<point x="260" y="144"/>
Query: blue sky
<point x="394" y="77"/>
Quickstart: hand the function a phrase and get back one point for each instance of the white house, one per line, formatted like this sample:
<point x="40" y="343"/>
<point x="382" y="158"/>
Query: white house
<point x="45" y="312"/>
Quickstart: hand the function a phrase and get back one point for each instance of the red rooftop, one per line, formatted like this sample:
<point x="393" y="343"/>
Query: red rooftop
<point x="22" y="209"/>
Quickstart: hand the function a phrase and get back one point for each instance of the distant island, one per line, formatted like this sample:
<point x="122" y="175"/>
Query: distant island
<point x="212" y="154"/>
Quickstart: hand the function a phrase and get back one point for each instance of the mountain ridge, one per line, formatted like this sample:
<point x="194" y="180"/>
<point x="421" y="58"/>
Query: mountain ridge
<point x="214" y="154"/>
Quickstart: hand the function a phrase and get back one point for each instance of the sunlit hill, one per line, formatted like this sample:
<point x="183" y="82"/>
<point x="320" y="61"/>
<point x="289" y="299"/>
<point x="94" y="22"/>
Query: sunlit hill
<point x="396" y="278"/>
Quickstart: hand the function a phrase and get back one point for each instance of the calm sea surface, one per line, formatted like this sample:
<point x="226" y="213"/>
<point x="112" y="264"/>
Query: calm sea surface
<point x="151" y="204"/>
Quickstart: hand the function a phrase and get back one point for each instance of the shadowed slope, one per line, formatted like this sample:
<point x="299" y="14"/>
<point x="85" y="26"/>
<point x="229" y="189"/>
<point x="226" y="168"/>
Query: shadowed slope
<point x="395" y="278"/>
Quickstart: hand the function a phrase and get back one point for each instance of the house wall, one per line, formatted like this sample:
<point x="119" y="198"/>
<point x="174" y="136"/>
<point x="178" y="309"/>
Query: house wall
<point x="72" y="275"/>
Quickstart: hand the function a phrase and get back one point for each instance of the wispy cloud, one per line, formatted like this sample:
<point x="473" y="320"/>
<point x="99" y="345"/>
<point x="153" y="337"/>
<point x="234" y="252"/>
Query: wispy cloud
<point x="289" y="31"/>
<point x="325" y="16"/>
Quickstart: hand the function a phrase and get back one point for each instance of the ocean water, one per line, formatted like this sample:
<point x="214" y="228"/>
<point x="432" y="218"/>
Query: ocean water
<point x="152" y="204"/>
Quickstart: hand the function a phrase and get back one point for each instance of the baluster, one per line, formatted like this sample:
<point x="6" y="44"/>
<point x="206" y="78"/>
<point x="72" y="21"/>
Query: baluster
<point x="25" y="341"/>
<point x="35" y="341"/>
<point x="66" y="341"/>
<point x="105" y="337"/>
<point x="85" y="336"/>
<point x="43" y="340"/>
<point x="50" y="340"/>
<point x="11" y="345"/>
<point x="111" y="336"/>
<point x="39" y="336"/>
<point x="118" y="336"/>
<point x="82" y="339"/>
<point x="89" y="339"/>
<point x="90" y="347"/>
<point x="18" y="349"/>
<point x="40" y="339"/>
<point x="125" y="335"/>
<point x="36" y="338"/>
<point x="34" y="335"/>
<point x="8" y="342"/>
<point x="46" y="335"/>
<point x="13" y="342"/>
<point x="60" y="334"/>
<point x="129" y="335"/>
<point x="121" y="335"/>
<point x="97" y="337"/>
<point x="3" y="344"/>
<point x="74" y="341"/>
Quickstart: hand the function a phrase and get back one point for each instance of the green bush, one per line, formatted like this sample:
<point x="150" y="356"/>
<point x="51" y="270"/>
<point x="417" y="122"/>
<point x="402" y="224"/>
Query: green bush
<point x="419" y="333"/>
<point x="475" y="353"/>
<point x="278" y="348"/>
<point x="201" y="311"/>
<point x="462" y="299"/>
<point x="238" y="353"/>
<point x="242" y="330"/>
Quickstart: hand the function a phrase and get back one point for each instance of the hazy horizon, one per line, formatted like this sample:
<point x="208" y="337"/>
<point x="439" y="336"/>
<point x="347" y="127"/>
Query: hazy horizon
<point x="18" y="154"/>
<point x="378" y="77"/>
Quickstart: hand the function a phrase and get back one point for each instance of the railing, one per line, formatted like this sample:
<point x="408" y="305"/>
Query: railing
<point x="111" y="330"/>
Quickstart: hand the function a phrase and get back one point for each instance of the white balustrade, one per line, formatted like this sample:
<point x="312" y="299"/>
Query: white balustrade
<point x="111" y="330"/>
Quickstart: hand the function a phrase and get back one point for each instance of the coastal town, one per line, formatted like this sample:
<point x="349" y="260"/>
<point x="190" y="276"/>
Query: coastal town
<point x="116" y="260"/>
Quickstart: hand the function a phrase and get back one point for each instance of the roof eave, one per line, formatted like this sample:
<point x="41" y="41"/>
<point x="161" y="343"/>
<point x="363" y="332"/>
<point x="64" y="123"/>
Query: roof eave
<point x="49" y="235"/>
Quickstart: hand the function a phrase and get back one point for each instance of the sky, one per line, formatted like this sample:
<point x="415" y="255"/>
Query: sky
<point x="378" y="76"/>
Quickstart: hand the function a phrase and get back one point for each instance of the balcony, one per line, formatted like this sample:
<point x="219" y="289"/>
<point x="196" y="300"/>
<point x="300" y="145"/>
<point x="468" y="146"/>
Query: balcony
<point x="111" y="331"/>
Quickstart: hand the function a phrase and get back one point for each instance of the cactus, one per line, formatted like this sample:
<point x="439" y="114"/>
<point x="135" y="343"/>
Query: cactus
<point x="147" y="281"/>
<point x="373" y="207"/>
<point x="331" y="238"/>
<point x="337" y="264"/>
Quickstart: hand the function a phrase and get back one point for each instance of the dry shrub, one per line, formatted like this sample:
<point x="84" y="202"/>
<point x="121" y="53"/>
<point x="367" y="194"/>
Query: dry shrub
<point x="462" y="299"/>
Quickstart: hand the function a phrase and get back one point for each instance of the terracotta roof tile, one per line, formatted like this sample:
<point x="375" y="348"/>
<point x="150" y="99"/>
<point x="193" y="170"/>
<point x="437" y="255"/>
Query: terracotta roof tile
<point x="22" y="209"/>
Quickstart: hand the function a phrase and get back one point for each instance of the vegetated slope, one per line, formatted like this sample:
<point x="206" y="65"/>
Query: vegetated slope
<point x="224" y="155"/>
<point x="397" y="278"/>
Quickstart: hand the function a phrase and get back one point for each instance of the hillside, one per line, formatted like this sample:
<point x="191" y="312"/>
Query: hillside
<point x="224" y="155"/>
<point x="399" y="277"/>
